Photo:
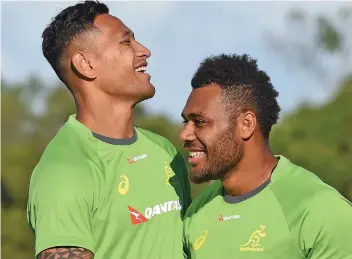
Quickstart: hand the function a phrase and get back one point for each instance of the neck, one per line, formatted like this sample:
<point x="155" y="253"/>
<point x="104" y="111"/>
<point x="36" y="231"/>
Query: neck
<point x="105" y="116"/>
<point x="254" y="169"/>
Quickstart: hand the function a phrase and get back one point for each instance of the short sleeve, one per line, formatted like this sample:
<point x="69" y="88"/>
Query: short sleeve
<point x="179" y="167"/>
<point x="327" y="228"/>
<point x="60" y="206"/>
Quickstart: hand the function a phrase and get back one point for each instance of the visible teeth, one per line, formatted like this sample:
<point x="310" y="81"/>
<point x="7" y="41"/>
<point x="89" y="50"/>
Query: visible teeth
<point x="139" y="69"/>
<point x="195" y="154"/>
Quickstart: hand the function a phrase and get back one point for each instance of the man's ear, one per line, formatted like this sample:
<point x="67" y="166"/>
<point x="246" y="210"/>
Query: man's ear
<point x="247" y="123"/>
<point x="83" y="65"/>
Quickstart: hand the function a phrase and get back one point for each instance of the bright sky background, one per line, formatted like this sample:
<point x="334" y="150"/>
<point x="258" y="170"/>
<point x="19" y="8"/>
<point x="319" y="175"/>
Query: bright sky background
<point x="179" y="35"/>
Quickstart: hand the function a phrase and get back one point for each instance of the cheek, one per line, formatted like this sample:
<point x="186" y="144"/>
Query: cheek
<point x="113" y="60"/>
<point x="218" y="139"/>
<point x="126" y="57"/>
<point x="207" y="136"/>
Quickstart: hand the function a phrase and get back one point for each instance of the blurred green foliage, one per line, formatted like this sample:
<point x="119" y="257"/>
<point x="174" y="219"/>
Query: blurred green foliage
<point x="317" y="138"/>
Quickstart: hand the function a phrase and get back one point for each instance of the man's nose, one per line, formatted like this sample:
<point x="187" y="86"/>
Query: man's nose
<point x="187" y="134"/>
<point x="142" y="51"/>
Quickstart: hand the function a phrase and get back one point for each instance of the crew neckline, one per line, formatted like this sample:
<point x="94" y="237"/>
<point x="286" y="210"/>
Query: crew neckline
<point x="237" y="199"/>
<point x="112" y="141"/>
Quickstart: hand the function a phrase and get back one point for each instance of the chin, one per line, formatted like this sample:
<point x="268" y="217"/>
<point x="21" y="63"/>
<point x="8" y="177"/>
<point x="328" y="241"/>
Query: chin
<point x="147" y="93"/>
<point x="151" y="91"/>
<point x="200" y="176"/>
<point x="197" y="179"/>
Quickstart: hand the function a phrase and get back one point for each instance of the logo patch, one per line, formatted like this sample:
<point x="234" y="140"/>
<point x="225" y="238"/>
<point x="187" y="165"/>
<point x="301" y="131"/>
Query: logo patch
<point x="200" y="240"/>
<point x="136" y="217"/>
<point x="124" y="185"/>
<point x="223" y="218"/>
<point x="162" y="208"/>
<point x="253" y="244"/>
<point x="168" y="172"/>
<point x="136" y="158"/>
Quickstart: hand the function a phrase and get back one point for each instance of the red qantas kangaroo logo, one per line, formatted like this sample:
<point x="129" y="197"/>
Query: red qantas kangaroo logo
<point x="136" y="217"/>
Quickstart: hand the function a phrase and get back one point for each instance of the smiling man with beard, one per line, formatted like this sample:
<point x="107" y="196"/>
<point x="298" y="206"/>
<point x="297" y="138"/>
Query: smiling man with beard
<point x="261" y="205"/>
<point x="105" y="188"/>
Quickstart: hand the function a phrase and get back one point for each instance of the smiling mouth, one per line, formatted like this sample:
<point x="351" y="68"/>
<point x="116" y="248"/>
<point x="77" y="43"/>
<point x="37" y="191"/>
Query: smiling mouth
<point x="196" y="154"/>
<point x="141" y="69"/>
<point x="196" y="157"/>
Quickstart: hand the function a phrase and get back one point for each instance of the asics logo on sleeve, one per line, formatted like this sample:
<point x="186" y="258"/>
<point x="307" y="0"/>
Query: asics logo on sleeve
<point x="200" y="240"/>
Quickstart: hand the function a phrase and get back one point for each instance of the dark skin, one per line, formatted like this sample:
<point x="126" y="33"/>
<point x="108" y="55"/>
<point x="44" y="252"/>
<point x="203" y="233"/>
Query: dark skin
<point x="99" y="69"/>
<point x="66" y="253"/>
<point x="234" y="148"/>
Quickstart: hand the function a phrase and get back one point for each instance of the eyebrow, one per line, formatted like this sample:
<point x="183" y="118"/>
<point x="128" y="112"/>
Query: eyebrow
<point x="193" y="115"/>
<point x="127" y="33"/>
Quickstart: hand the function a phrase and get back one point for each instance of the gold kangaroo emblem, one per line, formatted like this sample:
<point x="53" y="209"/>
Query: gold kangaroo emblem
<point x="124" y="185"/>
<point x="200" y="240"/>
<point x="255" y="237"/>
<point x="168" y="172"/>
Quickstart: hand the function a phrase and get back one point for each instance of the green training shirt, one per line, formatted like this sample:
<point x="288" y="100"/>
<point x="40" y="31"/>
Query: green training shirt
<point x="293" y="215"/>
<point x="119" y="198"/>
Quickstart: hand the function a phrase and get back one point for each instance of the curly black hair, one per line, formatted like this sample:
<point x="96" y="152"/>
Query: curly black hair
<point x="67" y="25"/>
<point x="244" y="86"/>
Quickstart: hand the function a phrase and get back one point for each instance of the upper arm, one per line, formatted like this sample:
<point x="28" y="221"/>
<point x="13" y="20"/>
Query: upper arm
<point x="60" y="207"/>
<point x="66" y="252"/>
<point x="327" y="228"/>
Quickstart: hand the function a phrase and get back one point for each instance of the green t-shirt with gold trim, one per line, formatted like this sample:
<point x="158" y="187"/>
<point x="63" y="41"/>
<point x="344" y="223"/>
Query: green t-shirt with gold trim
<point x="293" y="215"/>
<point x="119" y="198"/>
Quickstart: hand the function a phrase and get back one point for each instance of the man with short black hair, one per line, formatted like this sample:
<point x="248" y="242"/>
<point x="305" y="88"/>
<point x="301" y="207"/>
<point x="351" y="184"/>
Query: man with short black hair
<point x="105" y="188"/>
<point x="261" y="205"/>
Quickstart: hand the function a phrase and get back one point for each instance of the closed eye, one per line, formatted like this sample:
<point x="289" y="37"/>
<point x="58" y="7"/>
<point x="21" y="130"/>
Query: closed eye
<point x="126" y="42"/>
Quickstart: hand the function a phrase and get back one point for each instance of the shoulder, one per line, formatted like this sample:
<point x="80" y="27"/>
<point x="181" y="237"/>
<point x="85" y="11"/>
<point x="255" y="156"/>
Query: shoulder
<point x="323" y="227"/>
<point x="177" y="161"/>
<point x="330" y="205"/>
<point x="157" y="139"/>
<point x="68" y="154"/>
<point x="293" y="184"/>
<point x="65" y="165"/>
<point x="304" y="195"/>
<point x="311" y="207"/>
<point x="203" y="199"/>
<point x="69" y="142"/>
<point x="60" y="179"/>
